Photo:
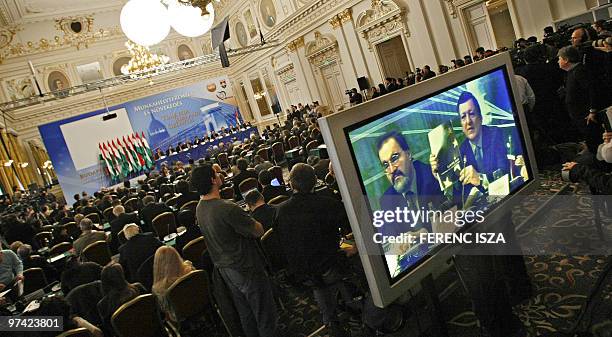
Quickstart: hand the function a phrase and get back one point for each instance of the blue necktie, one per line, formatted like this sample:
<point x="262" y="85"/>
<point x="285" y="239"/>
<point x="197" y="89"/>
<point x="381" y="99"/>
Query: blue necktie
<point x="478" y="156"/>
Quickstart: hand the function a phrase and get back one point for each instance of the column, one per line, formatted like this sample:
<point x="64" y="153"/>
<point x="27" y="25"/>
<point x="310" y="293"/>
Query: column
<point x="346" y="63"/>
<point x="351" y="38"/>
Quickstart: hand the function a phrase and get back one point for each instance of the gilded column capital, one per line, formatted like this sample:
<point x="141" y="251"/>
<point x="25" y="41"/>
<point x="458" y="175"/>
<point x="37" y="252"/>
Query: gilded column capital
<point x="295" y="44"/>
<point x="346" y="15"/>
<point x="335" y="22"/>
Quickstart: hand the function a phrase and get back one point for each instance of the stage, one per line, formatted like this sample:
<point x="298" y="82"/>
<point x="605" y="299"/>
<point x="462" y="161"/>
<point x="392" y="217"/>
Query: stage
<point x="202" y="150"/>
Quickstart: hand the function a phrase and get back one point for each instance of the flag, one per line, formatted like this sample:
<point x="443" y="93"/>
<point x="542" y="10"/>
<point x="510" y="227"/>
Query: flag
<point x="137" y="150"/>
<point x="108" y="163"/>
<point x="133" y="155"/>
<point x="146" y="146"/>
<point x="128" y="157"/>
<point x="148" y="161"/>
<point x="126" y="167"/>
<point x="237" y="118"/>
<point x="115" y="158"/>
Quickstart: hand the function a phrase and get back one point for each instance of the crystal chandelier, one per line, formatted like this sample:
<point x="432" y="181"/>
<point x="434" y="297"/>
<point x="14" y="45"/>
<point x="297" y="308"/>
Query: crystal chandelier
<point x="142" y="59"/>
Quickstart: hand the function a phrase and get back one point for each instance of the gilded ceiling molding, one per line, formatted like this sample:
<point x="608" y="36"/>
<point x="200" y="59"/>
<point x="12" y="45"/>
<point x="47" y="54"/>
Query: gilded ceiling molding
<point x="7" y="34"/>
<point x="72" y="40"/>
<point x="295" y="44"/>
<point x="75" y="24"/>
<point x="383" y="20"/>
<point x="335" y="22"/>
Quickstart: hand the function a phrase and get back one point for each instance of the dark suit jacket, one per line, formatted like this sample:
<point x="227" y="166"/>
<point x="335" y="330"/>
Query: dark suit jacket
<point x="242" y="176"/>
<point x="265" y="215"/>
<point x="494" y="153"/>
<point x="150" y="211"/>
<point x="322" y="168"/>
<point x="429" y="197"/>
<point x="185" y="198"/>
<point x="135" y="251"/>
<point x="117" y="225"/>
<point x="270" y="192"/>
<point x="579" y="93"/>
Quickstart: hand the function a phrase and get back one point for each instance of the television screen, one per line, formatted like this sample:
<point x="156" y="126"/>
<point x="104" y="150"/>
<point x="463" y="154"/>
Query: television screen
<point x="438" y="164"/>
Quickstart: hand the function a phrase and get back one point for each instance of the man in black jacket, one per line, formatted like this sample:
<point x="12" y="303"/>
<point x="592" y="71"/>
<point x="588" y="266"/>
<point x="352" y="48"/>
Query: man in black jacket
<point x="138" y="248"/>
<point x="150" y="210"/>
<point x="244" y="174"/>
<point x="308" y="224"/>
<point x="580" y="99"/>
<point x="186" y="196"/>
<point x="121" y="219"/>
<point x="268" y="191"/>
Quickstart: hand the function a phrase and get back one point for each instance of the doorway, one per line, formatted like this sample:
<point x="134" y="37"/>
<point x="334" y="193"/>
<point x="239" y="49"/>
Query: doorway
<point x="334" y="86"/>
<point x="392" y="57"/>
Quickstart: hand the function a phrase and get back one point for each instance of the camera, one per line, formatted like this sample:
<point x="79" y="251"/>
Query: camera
<point x="348" y="92"/>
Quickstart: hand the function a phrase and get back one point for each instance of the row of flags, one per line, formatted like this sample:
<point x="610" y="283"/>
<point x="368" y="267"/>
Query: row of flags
<point x="123" y="157"/>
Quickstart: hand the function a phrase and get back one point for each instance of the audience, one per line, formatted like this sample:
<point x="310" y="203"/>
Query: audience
<point x="88" y="236"/>
<point x="116" y="292"/>
<point x="260" y="210"/>
<point x="11" y="269"/>
<point x="270" y="192"/>
<point x="186" y="195"/>
<point x="76" y="273"/>
<point x="117" y="224"/>
<point x="243" y="174"/>
<point x="138" y="248"/>
<point x="168" y="266"/>
<point x="57" y="306"/>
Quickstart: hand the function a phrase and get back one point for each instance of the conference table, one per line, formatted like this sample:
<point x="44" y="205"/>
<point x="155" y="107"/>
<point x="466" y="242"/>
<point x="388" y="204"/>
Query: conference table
<point x="202" y="150"/>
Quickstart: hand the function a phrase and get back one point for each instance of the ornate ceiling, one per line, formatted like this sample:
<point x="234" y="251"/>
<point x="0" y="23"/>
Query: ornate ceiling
<point x="29" y="11"/>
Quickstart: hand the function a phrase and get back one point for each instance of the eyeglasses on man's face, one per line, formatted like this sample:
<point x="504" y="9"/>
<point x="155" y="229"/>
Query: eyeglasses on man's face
<point x="394" y="160"/>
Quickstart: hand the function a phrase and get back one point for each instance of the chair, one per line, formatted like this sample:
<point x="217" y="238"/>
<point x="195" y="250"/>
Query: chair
<point x="33" y="279"/>
<point x="43" y="239"/>
<point x="227" y="193"/>
<point x="60" y="248"/>
<point x="131" y="205"/>
<point x="279" y="153"/>
<point x="186" y="217"/>
<point x="94" y="217"/>
<point x="81" y="299"/>
<point x="263" y="153"/>
<point x="144" y="274"/>
<point x="277" y="172"/>
<point x="138" y="317"/>
<point x="97" y="252"/>
<point x="194" y="250"/>
<point x="164" y="224"/>
<point x="189" y="296"/>
<point x="121" y="237"/>
<point x="247" y="185"/>
<point x="78" y="332"/>
<point x="329" y="179"/>
<point x="223" y="161"/>
<point x="166" y="188"/>
<point x="108" y="214"/>
<point x="191" y="205"/>
<point x="311" y="145"/>
<point x="72" y="229"/>
<point x="277" y="200"/>
<point x="48" y="228"/>
<point x="172" y="201"/>
<point x="272" y="250"/>
<point x="294" y="142"/>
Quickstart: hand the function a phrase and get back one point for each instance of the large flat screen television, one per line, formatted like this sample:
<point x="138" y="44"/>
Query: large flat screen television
<point x="456" y="144"/>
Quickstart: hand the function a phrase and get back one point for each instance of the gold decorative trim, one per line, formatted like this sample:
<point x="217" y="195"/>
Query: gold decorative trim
<point x="323" y="50"/>
<point x="335" y="22"/>
<point x="44" y="45"/>
<point x="296" y="44"/>
<point x="346" y="15"/>
<point x="383" y="20"/>
<point x="64" y="24"/>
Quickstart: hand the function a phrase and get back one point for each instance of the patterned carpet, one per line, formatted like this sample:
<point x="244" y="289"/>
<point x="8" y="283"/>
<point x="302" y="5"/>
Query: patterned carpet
<point x="561" y="282"/>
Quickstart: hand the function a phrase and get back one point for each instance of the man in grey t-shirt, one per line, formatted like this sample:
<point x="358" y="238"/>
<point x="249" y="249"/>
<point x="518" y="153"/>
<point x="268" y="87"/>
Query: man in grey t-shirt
<point x="230" y="235"/>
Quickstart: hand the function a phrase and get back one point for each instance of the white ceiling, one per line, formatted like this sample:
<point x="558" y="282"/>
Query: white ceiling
<point x="28" y="11"/>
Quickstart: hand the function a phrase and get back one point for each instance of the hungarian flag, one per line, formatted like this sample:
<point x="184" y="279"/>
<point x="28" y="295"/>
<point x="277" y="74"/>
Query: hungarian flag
<point x="147" y="154"/>
<point x="237" y="118"/>
<point x="142" y="153"/>
<point x="107" y="162"/>
<point x="126" y="166"/>
<point x="114" y="157"/>
<point x="126" y="152"/>
<point x="137" y="150"/>
<point x="133" y="155"/>
<point x="146" y="146"/>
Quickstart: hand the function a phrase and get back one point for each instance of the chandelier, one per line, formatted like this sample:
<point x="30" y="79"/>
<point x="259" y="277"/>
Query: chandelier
<point x="142" y="59"/>
<point x="148" y="22"/>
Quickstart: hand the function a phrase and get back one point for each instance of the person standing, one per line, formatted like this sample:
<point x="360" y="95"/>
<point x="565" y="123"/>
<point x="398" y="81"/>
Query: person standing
<point x="231" y="237"/>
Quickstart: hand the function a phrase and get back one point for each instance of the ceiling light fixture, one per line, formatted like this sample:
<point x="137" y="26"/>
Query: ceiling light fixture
<point x="145" y="22"/>
<point x="190" y="21"/>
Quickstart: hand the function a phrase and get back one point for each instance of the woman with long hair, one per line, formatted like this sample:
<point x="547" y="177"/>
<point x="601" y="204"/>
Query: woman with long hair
<point x="117" y="291"/>
<point x="168" y="266"/>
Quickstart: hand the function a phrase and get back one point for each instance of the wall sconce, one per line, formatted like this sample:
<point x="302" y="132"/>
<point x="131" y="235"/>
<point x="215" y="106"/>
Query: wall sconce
<point x="8" y="163"/>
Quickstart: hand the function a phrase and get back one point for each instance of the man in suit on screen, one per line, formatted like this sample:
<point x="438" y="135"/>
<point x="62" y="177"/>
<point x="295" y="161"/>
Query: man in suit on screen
<point x="483" y="150"/>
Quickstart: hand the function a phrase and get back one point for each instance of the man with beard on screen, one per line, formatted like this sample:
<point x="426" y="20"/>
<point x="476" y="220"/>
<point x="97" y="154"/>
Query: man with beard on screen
<point x="413" y="187"/>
